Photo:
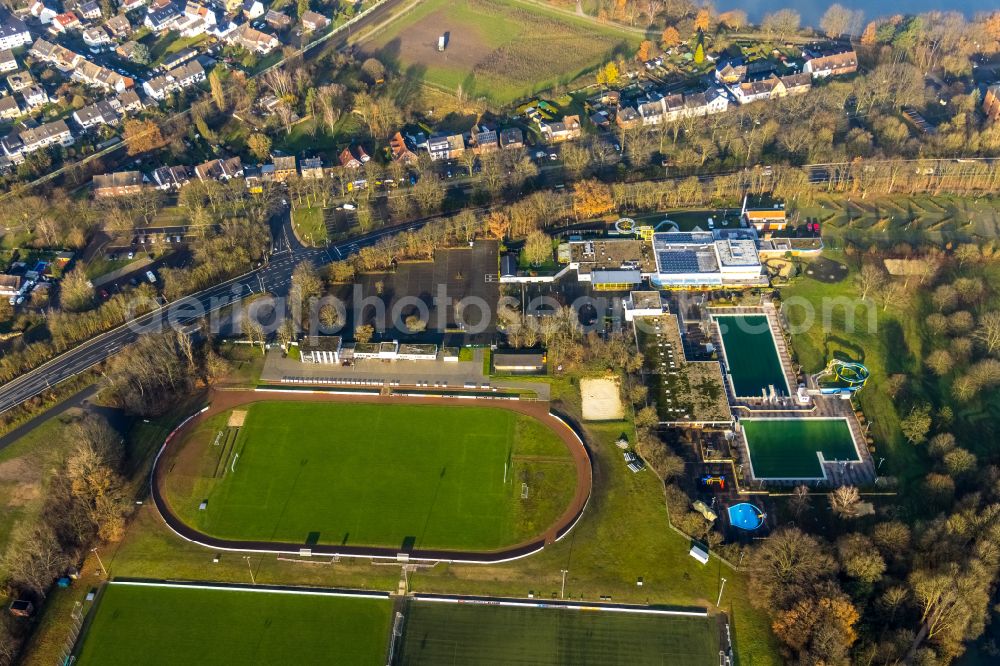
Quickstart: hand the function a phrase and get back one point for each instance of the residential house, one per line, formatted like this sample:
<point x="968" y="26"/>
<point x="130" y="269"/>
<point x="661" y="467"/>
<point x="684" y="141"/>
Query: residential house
<point x="101" y="77"/>
<point x="991" y="102"/>
<point x="730" y="71"/>
<point x="312" y="21"/>
<point x="349" y="161"/>
<point x="197" y="19"/>
<point x="484" y="139"/>
<point x="565" y="130"/>
<point x="88" y="9"/>
<point x="130" y="5"/>
<point x="172" y="177"/>
<point x="118" y="26"/>
<point x="400" y="151"/>
<point x="13" y="31"/>
<point x="277" y="21"/>
<point x="8" y="63"/>
<point x="821" y="63"/>
<point x="252" y="9"/>
<point x="58" y="56"/>
<point x="65" y="22"/>
<point x="43" y="11"/>
<point x="446" y="147"/>
<point x="161" y="18"/>
<point x="772" y="87"/>
<point x="117" y="184"/>
<point x="101" y="113"/>
<point x="253" y="40"/>
<point x="182" y="77"/>
<point x="512" y="137"/>
<point x="797" y="84"/>
<point x="127" y="102"/>
<point x="34" y="96"/>
<point x="284" y="168"/>
<point x="10" y="108"/>
<point x="127" y="50"/>
<point x="17" y="144"/>
<point x="18" y="81"/>
<point x="96" y="37"/>
<point x="175" y="60"/>
<point x="220" y="169"/>
<point x="312" y="168"/>
<point x="628" y="118"/>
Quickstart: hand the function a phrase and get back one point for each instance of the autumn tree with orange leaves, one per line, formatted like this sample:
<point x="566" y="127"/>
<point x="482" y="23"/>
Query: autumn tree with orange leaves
<point x="591" y="198"/>
<point x="670" y="37"/>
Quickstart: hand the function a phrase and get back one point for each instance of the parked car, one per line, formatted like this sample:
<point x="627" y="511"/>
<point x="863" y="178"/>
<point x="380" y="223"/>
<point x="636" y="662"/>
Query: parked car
<point x="151" y="276"/>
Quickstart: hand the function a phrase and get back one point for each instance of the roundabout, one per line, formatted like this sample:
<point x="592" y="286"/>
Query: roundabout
<point x="314" y="473"/>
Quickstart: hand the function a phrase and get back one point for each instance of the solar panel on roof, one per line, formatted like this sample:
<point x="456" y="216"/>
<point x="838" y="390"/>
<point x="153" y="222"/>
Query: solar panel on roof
<point x="678" y="262"/>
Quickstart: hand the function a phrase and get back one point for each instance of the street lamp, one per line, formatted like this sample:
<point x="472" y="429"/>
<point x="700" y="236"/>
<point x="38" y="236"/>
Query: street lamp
<point x="562" y="590"/>
<point x="721" y="588"/>
<point x="94" y="551"/>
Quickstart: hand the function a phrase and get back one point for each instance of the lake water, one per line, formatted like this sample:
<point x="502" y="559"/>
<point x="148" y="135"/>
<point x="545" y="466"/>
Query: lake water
<point x="812" y="11"/>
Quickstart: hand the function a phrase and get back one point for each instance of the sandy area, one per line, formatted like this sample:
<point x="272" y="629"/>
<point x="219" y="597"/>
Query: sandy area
<point x="237" y="418"/>
<point x="601" y="399"/>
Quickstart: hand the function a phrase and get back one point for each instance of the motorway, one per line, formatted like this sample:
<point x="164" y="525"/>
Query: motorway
<point x="273" y="277"/>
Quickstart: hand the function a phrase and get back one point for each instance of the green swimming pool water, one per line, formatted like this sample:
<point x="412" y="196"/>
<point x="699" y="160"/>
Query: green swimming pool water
<point x="751" y="355"/>
<point x="787" y="448"/>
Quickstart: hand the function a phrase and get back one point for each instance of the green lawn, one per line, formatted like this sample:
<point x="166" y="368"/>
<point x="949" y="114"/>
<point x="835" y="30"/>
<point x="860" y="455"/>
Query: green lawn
<point x="751" y="355"/>
<point x="382" y="475"/>
<point x="310" y="226"/>
<point x="787" y="448"/>
<point x="162" y="625"/>
<point x="443" y="633"/>
<point x="502" y="50"/>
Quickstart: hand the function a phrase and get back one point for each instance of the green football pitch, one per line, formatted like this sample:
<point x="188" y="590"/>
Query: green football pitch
<point x="787" y="448"/>
<point x="423" y="476"/>
<point x="751" y="355"/>
<point x="165" y="625"/>
<point x="442" y="634"/>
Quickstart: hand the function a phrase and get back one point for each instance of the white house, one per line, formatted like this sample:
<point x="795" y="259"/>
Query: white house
<point x="43" y="12"/>
<point x="13" y="31"/>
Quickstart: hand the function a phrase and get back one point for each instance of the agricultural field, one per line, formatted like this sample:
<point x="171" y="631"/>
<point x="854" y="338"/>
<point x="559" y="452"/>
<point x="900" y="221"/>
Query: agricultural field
<point x="502" y="50"/>
<point x="390" y="475"/>
<point x="183" y="625"/>
<point x="445" y="633"/>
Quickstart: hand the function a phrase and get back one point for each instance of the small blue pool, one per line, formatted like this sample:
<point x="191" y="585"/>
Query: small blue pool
<point x="745" y="516"/>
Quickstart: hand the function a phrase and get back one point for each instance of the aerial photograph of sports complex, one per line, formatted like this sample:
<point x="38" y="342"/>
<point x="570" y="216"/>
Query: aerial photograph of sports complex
<point x="499" y="332"/>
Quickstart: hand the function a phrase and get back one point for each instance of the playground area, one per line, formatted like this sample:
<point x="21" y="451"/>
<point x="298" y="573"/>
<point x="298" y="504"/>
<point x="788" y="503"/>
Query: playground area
<point x="751" y="355"/>
<point x="601" y="399"/>
<point x="785" y="449"/>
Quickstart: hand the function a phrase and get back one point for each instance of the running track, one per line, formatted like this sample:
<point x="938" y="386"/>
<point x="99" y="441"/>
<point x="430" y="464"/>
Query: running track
<point x="222" y="401"/>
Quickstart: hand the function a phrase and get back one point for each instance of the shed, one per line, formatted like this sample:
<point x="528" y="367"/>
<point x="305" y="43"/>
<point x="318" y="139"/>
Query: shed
<point x="699" y="553"/>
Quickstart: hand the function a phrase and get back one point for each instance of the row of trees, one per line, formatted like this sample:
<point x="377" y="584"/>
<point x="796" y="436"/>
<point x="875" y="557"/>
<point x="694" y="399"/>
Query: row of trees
<point x="87" y="499"/>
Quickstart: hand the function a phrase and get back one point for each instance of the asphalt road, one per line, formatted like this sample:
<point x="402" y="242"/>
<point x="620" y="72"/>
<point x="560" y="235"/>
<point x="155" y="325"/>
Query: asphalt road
<point x="273" y="277"/>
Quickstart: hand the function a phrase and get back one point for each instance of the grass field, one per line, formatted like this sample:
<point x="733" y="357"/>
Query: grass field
<point x="310" y="226"/>
<point x="163" y="625"/>
<point x="374" y="475"/>
<point x="751" y="355"/>
<point x="442" y="633"/>
<point x="499" y="49"/>
<point x="905" y="218"/>
<point x="787" y="448"/>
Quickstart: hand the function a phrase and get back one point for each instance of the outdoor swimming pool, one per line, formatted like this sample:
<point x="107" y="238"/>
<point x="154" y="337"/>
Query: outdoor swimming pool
<point x="791" y="448"/>
<point x="751" y="355"/>
<point x="745" y="516"/>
